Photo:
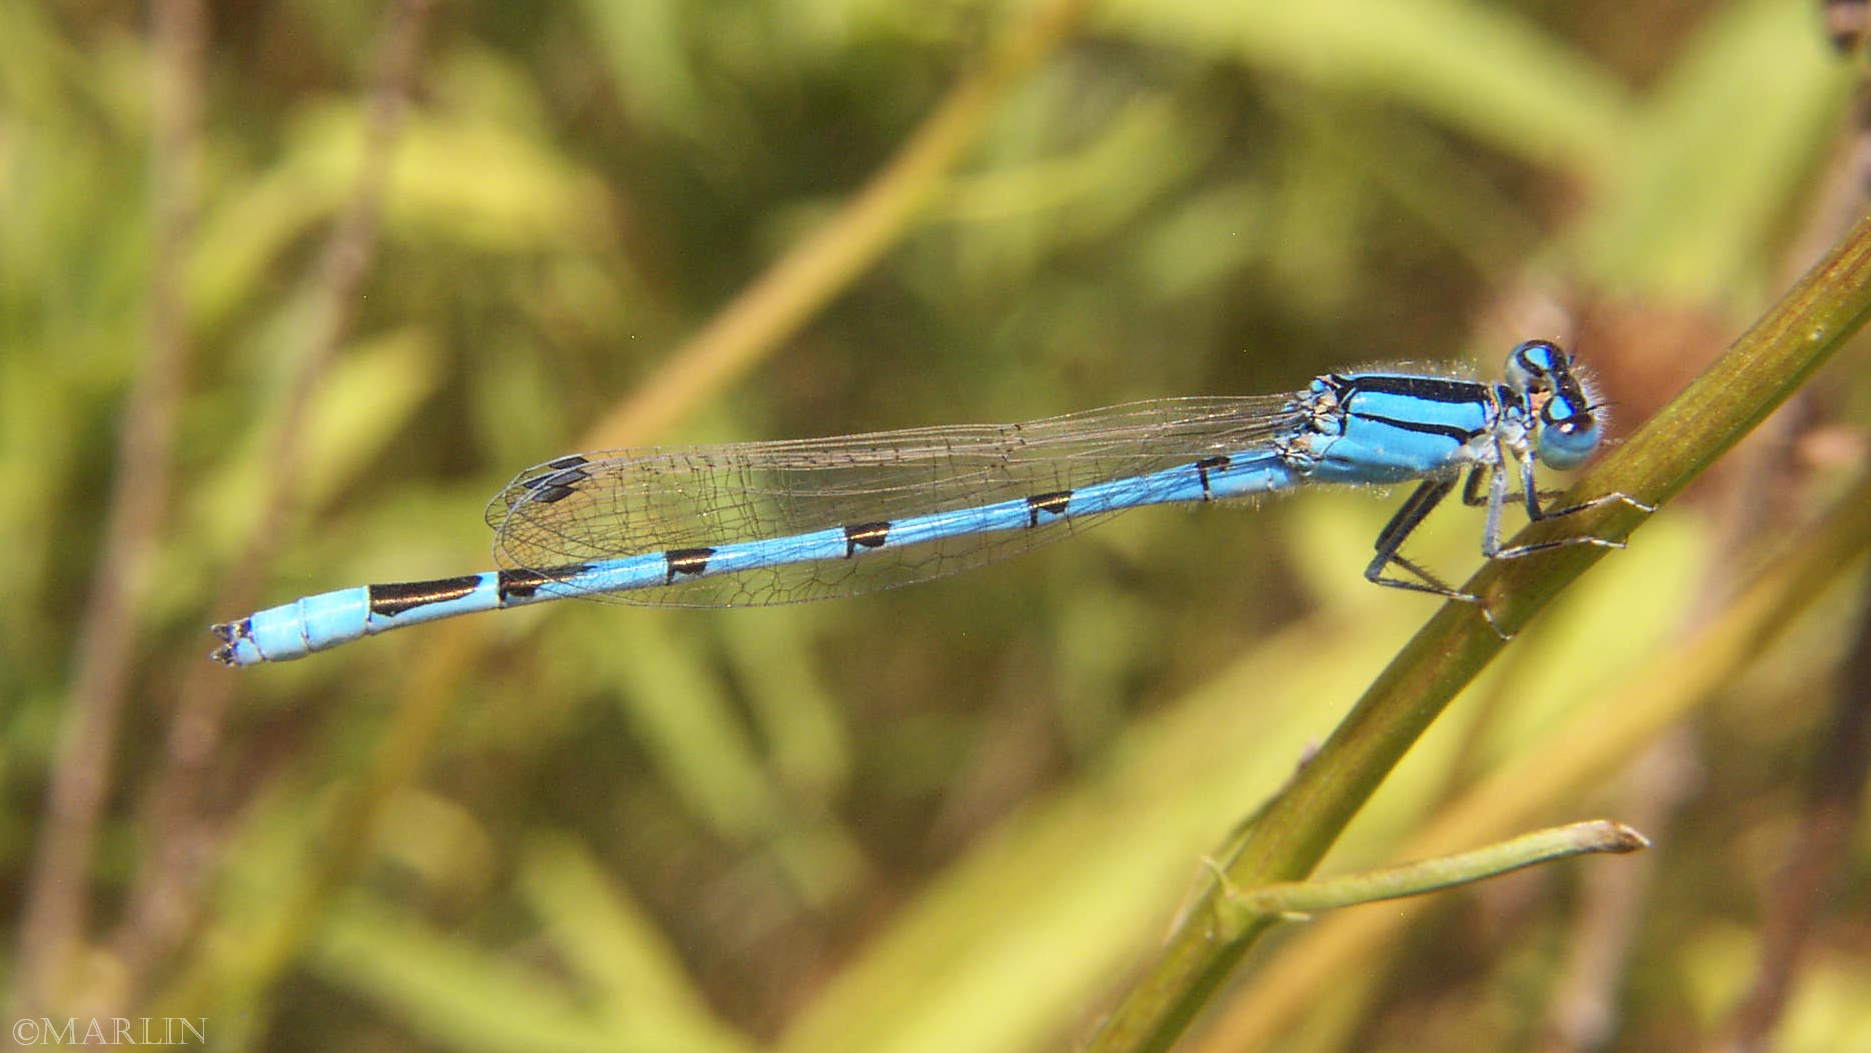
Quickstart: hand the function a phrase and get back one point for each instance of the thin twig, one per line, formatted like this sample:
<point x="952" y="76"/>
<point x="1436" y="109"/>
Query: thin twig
<point x="55" y="907"/>
<point x="166" y="895"/>
<point x="1237" y="908"/>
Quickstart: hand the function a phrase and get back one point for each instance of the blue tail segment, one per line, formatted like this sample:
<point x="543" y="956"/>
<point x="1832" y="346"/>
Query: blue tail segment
<point x="761" y="523"/>
<point x="328" y="619"/>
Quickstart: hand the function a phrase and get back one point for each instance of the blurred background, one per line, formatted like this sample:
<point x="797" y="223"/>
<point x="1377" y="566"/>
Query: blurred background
<point x="288" y="290"/>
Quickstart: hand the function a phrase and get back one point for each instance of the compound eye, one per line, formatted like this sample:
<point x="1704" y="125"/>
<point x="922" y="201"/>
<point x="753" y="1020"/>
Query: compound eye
<point x="1538" y="356"/>
<point x="1568" y="423"/>
<point x="1566" y="436"/>
<point x="1534" y="365"/>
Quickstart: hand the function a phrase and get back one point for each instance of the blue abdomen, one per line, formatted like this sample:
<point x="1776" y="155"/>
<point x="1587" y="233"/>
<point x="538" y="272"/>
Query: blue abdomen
<point x="1393" y="428"/>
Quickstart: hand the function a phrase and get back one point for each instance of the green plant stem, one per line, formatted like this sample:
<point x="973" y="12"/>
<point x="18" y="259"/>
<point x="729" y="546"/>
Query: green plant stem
<point x="1737" y="391"/>
<point x="1592" y="744"/>
<point x="1236" y="909"/>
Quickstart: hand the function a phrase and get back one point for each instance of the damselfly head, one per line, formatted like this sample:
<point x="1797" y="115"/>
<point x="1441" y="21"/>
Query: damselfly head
<point x="1569" y="421"/>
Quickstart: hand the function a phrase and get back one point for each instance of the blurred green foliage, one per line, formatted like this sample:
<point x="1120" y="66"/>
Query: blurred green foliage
<point x="943" y="818"/>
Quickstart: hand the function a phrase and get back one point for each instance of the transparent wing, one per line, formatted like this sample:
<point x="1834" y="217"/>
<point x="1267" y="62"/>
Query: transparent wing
<point x="598" y="506"/>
